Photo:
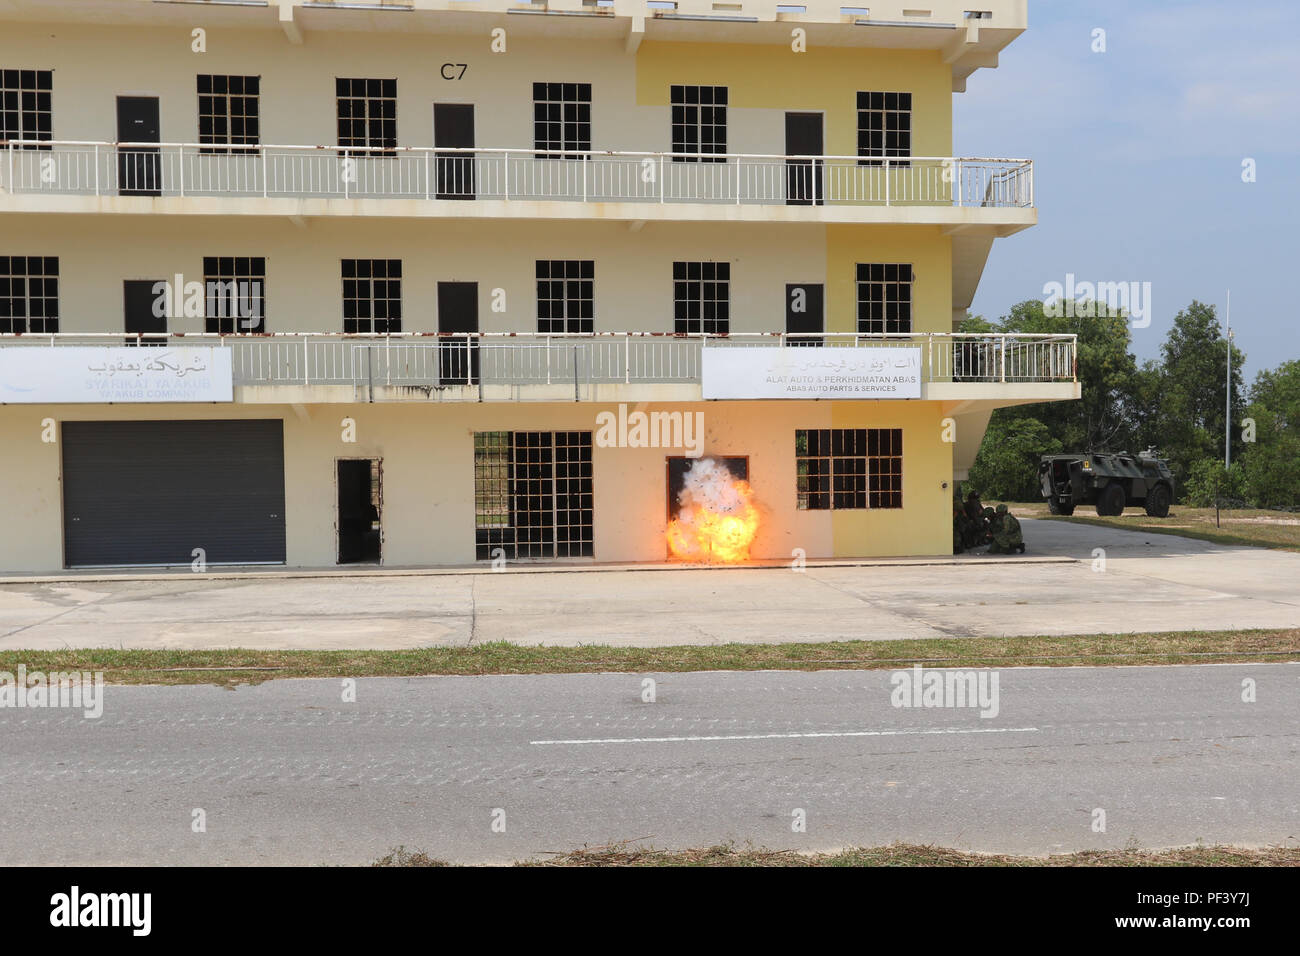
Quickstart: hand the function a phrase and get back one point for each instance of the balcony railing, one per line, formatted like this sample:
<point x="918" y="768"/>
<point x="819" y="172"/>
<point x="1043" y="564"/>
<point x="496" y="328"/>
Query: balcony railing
<point x="414" y="172"/>
<point x="436" y="360"/>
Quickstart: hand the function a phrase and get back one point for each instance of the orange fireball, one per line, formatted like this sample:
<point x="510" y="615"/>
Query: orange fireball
<point x="717" y="518"/>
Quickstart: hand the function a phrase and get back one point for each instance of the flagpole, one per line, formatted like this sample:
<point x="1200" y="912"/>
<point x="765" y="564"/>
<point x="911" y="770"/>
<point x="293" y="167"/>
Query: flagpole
<point x="1227" y="402"/>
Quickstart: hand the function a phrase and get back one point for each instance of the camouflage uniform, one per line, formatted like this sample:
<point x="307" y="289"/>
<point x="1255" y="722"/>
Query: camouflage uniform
<point x="1005" y="533"/>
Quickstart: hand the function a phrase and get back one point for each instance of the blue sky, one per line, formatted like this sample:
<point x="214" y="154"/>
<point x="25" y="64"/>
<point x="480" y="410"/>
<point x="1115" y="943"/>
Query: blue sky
<point x="1138" y="159"/>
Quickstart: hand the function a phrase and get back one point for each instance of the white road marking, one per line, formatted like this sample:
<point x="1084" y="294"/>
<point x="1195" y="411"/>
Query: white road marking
<point x="844" y="733"/>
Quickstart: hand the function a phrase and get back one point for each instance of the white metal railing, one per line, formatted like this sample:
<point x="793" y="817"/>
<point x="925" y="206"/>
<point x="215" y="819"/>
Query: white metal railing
<point x="417" y="172"/>
<point x="421" y="359"/>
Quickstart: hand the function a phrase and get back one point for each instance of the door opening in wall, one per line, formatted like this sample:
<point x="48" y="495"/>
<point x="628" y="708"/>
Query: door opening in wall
<point x="360" y="501"/>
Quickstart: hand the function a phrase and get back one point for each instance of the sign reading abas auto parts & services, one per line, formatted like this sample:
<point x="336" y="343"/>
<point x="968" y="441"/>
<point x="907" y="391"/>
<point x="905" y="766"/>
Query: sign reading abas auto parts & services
<point x="63" y="374"/>
<point x="811" y="372"/>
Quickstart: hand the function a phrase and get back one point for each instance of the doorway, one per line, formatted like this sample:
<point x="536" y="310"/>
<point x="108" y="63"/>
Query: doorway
<point x="453" y="128"/>
<point x="803" y="177"/>
<point x="804" y="312"/>
<point x="139" y="172"/>
<point x="360" y="499"/>
<point x="139" y="312"/>
<point x="457" y="319"/>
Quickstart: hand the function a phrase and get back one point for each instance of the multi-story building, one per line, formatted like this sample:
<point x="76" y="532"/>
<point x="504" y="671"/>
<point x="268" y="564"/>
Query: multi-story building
<point x="438" y="281"/>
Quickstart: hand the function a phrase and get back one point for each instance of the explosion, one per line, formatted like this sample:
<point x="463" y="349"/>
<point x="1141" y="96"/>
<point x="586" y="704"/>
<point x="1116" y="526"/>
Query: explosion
<point x="717" y="519"/>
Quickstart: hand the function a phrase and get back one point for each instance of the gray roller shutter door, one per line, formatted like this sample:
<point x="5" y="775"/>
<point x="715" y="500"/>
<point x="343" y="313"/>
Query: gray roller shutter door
<point x="152" y="492"/>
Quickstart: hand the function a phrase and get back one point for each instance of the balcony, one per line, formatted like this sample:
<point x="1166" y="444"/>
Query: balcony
<point x="597" y="367"/>
<point x="473" y="183"/>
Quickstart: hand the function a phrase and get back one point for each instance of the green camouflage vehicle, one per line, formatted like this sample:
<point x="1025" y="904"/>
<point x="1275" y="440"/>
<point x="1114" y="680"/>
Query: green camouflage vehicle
<point x="1110" y="481"/>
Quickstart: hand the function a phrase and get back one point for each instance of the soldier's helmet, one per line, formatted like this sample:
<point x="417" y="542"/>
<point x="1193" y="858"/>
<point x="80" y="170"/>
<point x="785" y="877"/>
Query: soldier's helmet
<point x="1002" y="509"/>
<point x="988" y="512"/>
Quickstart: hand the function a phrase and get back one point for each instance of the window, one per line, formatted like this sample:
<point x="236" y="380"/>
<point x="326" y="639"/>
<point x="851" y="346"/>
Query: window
<point x="532" y="495"/>
<point x="29" y="294"/>
<point x="702" y="297"/>
<point x="367" y="114"/>
<point x="884" y="297"/>
<point x="840" y="468"/>
<point x="564" y="295"/>
<point x="236" y="293"/>
<point x="228" y="113"/>
<point x="561" y="118"/>
<point x="699" y="123"/>
<point x="372" y="295"/>
<point x="884" y="127"/>
<point x="25" y="108"/>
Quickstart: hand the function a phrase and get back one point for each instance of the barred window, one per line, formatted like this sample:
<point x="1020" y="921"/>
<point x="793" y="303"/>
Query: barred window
<point x="842" y="468"/>
<point x="884" y="127"/>
<point x="565" y="295"/>
<point x="699" y="115"/>
<point x="26" y="110"/>
<point x="561" y="118"/>
<point x="884" y="297"/>
<point x="372" y="295"/>
<point x="491" y="480"/>
<point x="228" y="113"/>
<point x="367" y="114"/>
<point x="533" y="495"/>
<point x="702" y="297"/>
<point x="235" y="288"/>
<point x="29" y="294"/>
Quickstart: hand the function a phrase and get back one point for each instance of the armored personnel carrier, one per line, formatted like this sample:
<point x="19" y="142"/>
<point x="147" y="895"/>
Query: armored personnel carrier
<point x="1109" y="481"/>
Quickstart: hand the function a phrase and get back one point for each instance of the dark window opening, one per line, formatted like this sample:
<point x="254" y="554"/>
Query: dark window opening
<point x="235" y="289"/>
<point x="565" y="295"/>
<point x="360" y="503"/>
<point x="532" y="495"/>
<point x="884" y="297"/>
<point x="367" y="116"/>
<point x="29" y="294"/>
<point x="845" y="468"/>
<point x="702" y="297"/>
<point x="372" y="295"/>
<point x="229" y="113"/>
<point x="561" y="119"/>
<point x="884" y="127"/>
<point x="26" y="110"/>
<point x="699" y="118"/>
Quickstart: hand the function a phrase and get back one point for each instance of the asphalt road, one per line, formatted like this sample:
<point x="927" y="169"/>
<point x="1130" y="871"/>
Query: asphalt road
<point x="1147" y="582"/>
<point x="287" y="772"/>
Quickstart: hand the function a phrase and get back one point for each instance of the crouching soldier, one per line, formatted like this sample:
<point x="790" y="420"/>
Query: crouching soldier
<point x="1005" y="532"/>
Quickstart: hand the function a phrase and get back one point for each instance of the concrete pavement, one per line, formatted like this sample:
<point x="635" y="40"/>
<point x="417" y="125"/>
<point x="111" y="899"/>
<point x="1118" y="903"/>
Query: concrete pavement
<point x="286" y="772"/>
<point x="1149" y="583"/>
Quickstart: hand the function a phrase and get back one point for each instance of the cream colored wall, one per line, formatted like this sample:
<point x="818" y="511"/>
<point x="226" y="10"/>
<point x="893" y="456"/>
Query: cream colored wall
<point x="427" y="453"/>
<point x="95" y="64"/>
<point x="633" y="287"/>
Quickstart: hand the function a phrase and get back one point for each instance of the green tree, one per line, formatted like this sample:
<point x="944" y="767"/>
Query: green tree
<point x="1188" y="413"/>
<point x="1270" y="463"/>
<point x="1006" y="467"/>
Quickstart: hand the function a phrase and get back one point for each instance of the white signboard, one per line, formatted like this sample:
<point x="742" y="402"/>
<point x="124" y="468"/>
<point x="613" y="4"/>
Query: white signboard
<point x="32" y="374"/>
<point x="811" y="372"/>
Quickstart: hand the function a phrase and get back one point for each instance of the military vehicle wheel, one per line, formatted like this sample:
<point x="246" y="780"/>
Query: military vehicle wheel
<point x="1111" y="502"/>
<point x="1158" y="501"/>
<point x="1059" y="506"/>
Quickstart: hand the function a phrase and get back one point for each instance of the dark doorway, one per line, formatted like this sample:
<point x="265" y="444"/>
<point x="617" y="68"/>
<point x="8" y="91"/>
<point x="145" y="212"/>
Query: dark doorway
<point x="804" y="312"/>
<point x="140" y="303"/>
<point x="453" y="127"/>
<point x="678" y="466"/>
<point x="139" y="172"/>
<point x="803" y="177"/>
<point x="359" y="503"/>
<point x="457" y="315"/>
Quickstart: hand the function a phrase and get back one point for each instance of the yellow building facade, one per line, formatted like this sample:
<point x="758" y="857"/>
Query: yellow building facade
<point x="309" y="284"/>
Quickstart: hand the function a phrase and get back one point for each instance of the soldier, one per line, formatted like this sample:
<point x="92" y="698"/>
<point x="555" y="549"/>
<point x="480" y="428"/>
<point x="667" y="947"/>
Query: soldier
<point x="1006" y="536"/>
<point x="988" y="518"/>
